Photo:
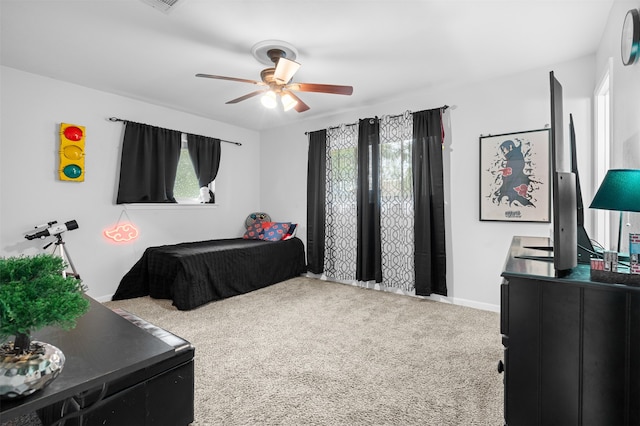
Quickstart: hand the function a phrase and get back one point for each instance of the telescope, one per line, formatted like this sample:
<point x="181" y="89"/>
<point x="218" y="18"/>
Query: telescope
<point x="53" y="228"/>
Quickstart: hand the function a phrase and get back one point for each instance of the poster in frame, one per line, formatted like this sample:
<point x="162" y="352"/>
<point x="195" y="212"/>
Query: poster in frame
<point x="515" y="177"/>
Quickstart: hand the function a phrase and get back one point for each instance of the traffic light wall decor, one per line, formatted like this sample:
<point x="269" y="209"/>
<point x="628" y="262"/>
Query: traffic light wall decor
<point x="71" y="152"/>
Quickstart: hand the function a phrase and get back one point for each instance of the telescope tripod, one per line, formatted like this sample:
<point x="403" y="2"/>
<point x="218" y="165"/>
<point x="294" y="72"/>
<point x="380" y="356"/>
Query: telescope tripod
<point x="60" y="249"/>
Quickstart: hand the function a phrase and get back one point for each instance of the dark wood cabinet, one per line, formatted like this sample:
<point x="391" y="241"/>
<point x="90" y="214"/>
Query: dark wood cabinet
<point x="571" y="345"/>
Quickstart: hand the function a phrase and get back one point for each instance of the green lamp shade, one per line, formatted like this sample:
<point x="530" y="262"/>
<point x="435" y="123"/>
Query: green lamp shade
<point x="619" y="190"/>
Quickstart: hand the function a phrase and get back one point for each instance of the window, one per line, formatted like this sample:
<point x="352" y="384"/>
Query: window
<point x="341" y="207"/>
<point x="186" y="189"/>
<point x="396" y="201"/>
<point x="601" y="153"/>
<point x="166" y="166"/>
<point x="394" y="239"/>
<point x="344" y="167"/>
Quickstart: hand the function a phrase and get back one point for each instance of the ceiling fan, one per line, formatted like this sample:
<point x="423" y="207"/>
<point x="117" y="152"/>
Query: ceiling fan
<point x="277" y="79"/>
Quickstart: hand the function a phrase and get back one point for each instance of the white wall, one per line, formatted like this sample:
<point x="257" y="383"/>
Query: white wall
<point x="625" y="109"/>
<point x="625" y="90"/>
<point x="33" y="108"/>
<point x="476" y="250"/>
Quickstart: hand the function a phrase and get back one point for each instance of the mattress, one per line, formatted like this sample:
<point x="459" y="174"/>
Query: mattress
<point x="195" y="273"/>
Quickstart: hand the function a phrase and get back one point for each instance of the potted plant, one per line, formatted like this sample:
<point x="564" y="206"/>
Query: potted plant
<point x="34" y="293"/>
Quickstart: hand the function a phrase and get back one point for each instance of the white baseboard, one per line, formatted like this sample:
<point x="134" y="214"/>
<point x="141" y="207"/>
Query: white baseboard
<point x="477" y="305"/>
<point x="435" y="297"/>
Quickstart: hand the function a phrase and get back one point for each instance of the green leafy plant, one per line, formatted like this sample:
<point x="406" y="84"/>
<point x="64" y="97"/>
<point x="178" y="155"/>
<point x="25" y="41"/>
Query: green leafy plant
<point x="35" y="294"/>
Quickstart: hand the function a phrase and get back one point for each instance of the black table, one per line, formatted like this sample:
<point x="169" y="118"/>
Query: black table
<point x="115" y="370"/>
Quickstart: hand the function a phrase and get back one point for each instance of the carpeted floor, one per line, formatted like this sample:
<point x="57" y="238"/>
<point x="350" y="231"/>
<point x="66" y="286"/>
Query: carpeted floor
<point x="26" y="420"/>
<point x="311" y="352"/>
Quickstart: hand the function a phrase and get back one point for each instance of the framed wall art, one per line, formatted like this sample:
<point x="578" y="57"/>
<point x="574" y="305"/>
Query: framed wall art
<point x="515" y="177"/>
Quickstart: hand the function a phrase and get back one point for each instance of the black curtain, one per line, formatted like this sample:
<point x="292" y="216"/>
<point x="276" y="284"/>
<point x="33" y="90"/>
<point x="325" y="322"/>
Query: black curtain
<point x="369" y="254"/>
<point x="316" y="193"/>
<point x="205" y="156"/>
<point x="428" y="187"/>
<point x="149" y="164"/>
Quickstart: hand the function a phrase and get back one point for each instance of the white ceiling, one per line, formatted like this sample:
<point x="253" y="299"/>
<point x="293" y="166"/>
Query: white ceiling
<point x="383" y="48"/>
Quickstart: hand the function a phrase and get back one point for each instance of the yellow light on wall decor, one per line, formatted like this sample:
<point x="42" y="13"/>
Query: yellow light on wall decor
<point x="72" y="139"/>
<point x="269" y="100"/>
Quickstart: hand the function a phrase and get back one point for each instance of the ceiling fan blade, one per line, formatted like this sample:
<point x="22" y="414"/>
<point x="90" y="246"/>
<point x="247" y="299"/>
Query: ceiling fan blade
<point x="300" y="106"/>
<point x="241" y="80"/>
<point x="285" y="69"/>
<point x="247" y="96"/>
<point x="321" y="88"/>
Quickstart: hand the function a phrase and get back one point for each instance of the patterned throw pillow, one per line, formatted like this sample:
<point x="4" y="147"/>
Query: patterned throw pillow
<point x="276" y="231"/>
<point x="255" y="230"/>
<point x="291" y="233"/>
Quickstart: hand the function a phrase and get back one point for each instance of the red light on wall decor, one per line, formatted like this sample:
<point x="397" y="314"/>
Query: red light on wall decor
<point x="122" y="233"/>
<point x="73" y="133"/>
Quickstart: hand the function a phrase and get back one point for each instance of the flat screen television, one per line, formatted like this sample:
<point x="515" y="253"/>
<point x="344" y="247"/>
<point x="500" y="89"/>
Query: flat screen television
<point x="571" y="244"/>
<point x="564" y="190"/>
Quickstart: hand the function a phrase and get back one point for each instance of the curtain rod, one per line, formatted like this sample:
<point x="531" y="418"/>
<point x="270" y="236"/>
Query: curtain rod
<point x="443" y="108"/>
<point x="114" y="119"/>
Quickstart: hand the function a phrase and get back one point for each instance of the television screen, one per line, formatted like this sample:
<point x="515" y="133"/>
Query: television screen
<point x="585" y="248"/>
<point x="571" y="244"/>
<point x="565" y="213"/>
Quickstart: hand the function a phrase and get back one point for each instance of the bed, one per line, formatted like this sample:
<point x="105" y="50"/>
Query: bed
<point x="193" y="274"/>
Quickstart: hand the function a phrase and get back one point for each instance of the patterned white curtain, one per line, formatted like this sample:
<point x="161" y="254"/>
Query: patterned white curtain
<point x="396" y="209"/>
<point x="396" y="202"/>
<point x="341" y="207"/>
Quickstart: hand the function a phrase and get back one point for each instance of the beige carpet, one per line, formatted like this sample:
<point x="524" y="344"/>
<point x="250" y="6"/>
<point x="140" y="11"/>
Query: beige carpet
<point x="311" y="352"/>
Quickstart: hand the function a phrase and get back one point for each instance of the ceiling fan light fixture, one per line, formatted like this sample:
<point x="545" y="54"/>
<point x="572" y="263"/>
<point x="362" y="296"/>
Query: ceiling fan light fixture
<point x="276" y="80"/>
<point x="288" y="101"/>
<point x="285" y="69"/>
<point x="269" y="100"/>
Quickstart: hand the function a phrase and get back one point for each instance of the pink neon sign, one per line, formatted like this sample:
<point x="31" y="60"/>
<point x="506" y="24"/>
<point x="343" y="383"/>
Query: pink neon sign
<point x="122" y="233"/>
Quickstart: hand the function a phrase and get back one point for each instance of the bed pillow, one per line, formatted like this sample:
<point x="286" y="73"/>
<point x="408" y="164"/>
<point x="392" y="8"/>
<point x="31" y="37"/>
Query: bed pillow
<point x="291" y="233"/>
<point x="255" y="231"/>
<point x="276" y="231"/>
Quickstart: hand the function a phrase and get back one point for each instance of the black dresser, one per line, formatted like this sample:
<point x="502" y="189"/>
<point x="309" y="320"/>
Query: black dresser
<point x="571" y="345"/>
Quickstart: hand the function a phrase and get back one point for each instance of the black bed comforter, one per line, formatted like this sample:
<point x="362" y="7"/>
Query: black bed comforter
<point x="192" y="274"/>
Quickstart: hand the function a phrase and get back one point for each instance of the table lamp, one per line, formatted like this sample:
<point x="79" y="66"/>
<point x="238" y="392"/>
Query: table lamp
<point x="619" y="191"/>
